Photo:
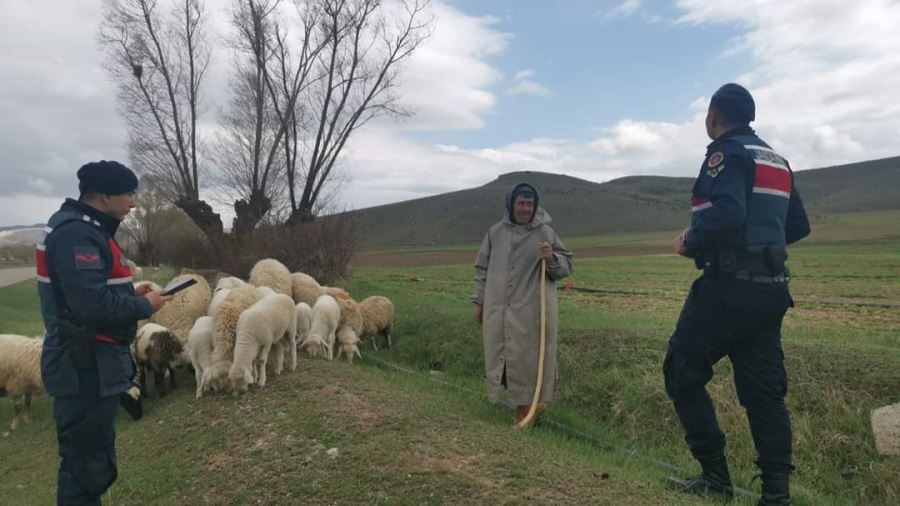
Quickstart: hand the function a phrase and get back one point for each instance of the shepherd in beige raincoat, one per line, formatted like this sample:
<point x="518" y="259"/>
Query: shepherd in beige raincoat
<point x="507" y="299"/>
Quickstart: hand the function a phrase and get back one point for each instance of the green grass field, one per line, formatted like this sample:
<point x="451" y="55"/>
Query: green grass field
<point x="405" y="439"/>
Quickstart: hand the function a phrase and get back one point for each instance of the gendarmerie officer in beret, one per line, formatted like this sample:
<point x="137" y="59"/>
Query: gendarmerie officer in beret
<point x="90" y="311"/>
<point x="744" y="211"/>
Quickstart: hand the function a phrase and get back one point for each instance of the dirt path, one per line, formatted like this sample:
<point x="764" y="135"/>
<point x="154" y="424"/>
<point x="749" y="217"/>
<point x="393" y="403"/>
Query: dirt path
<point x="15" y="274"/>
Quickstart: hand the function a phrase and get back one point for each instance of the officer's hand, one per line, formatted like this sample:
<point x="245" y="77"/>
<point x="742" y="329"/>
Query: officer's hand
<point x="678" y="243"/>
<point x="157" y="299"/>
<point x="479" y="312"/>
<point x="143" y="289"/>
<point x="545" y="250"/>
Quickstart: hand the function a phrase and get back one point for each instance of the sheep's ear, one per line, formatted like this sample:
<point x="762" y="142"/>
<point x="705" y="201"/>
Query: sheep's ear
<point x="358" y="354"/>
<point x="303" y="344"/>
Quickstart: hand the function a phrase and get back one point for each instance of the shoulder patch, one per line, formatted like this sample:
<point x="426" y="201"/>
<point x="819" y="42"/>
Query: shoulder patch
<point x="715" y="159"/>
<point x="88" y="258"/>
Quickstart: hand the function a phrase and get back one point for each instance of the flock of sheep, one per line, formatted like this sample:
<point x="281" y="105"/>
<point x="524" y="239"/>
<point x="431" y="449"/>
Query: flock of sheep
<point x="226" y="334"/>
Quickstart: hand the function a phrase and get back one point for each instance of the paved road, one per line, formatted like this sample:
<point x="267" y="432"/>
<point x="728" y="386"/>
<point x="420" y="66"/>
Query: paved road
<point x="15" y="274"/>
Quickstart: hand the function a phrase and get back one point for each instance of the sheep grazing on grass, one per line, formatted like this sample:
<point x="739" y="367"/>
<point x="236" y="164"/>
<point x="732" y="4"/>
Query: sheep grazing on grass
<point x="270" y="322"/>
<point x="337" y="293"/>
<point x="20" y="373"/>
<point x="350" y="326"/>
<point x="156" y="349"/>
<point x="378" y="317"/>
<point x="225" y="321"/>
<point x="348" y="343"/>
<point x="304" y="320"/>
<point x="180" y="313"/>
<point x="200" y="347"/>
<point x="325" y="316"/>
<point x="304" y="288"/>
<point x="272" y="273"/>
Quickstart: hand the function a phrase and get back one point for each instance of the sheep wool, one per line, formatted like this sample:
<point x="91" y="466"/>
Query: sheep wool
<point x="225" y="321"/>
<point x="20" y="373"/>
<point x="325" y="316"/>
<point x="304" y="319"/>
<point x="229" y="282"/>
<point x="272" y="321"/>
<point x="180" y="313"/>
<point x="156" y="349"/>
<point x="378" y="317"/>
<point x="272" y="273"/>
<point x="200" y="346"/>
<point x="305" y="289"/>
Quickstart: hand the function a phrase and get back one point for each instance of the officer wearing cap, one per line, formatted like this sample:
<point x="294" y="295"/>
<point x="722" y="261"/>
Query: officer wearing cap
<point x="745" y="209"/>
<point x="90" y="311"/>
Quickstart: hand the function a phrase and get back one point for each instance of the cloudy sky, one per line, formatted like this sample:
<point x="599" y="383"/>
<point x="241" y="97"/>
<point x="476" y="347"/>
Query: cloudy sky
<point x="594" y="89"/>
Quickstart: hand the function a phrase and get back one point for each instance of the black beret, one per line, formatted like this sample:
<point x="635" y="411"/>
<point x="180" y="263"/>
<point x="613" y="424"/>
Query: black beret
<point x="735" y="102"/>
<point x="107" y="177"/>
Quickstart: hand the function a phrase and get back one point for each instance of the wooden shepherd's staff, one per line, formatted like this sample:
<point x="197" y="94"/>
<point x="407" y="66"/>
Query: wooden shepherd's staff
<point x="532" y="411"/>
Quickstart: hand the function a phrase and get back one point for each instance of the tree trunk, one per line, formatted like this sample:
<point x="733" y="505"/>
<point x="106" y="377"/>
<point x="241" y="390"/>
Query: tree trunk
<point x="300" y="216"/>
<point x="206" y="220"/>
<point x="248" y="214"/>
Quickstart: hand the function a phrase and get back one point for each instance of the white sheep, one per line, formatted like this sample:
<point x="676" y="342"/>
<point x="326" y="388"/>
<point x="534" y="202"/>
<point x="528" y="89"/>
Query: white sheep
<point x="325" y="316"/>
<point x="225" y="321"/>
<point x="136" y="272"/>
<point x="218" y="298"/>
<point x="200" y="346"/>
<point x="348" y="343"/>
<point x="304" y="319"/>
<point x="20" y="373"/>
<point x="378" y="316"/>
<point x="304" y="288"/>
<point x="229" y="282"/>
<point x="180" y="313"/>
<point x="272" y="273"/>
<point x="272" y="321"/>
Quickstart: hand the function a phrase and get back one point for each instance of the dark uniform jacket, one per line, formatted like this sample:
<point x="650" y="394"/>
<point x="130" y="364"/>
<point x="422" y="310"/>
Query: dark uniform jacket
<point x="80" y="257"/>
<point x="744" y="198"/>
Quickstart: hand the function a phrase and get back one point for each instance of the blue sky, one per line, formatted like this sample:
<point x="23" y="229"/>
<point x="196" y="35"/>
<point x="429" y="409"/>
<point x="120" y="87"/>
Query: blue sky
<point x="597" y="67"/>
<point x="596" y="90"/>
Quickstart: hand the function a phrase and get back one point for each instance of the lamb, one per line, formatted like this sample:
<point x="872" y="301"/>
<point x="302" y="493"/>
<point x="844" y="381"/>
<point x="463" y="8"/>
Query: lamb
<point x="225" y="321"/>
<point x="20" y="373"/>
<point x="180" y="313"/>
<point x="304" y="319"/>
<point x="157" y="349"/>
<point x="348" y="342"/>
<point x="272" y="273"/>
<point x="304" y="288"/>
<point x="270" y="322"/>
<point x="378" y="316"/>
<point x="325" y="316"/>
<point x="200" y="346"/>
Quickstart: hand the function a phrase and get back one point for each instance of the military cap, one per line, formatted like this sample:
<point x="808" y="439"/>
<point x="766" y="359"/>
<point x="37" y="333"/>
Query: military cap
<point x="107" y="177"/>
<point x="735" y="102"/>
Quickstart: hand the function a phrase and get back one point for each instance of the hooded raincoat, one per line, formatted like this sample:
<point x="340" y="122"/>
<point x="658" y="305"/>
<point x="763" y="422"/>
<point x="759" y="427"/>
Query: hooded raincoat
<point x="507" y="286"/>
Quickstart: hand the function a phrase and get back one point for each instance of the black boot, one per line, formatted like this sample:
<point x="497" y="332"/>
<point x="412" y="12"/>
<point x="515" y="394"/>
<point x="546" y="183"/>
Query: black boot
<point x="714" y="482"/>
<point x="775" y="489"/>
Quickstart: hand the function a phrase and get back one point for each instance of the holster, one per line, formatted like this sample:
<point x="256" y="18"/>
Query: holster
<point x="775" y="257"/>
<point x="81" y="343"/>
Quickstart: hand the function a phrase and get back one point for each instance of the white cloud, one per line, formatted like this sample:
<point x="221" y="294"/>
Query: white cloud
<point x="624" y="9"/>
<point x="526" y="85"/>
<point x="448" y="78"/>
<point x="825" y="73"/>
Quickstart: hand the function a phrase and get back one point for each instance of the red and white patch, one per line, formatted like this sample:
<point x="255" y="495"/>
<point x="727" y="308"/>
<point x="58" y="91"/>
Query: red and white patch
<point x="715" y="159"/>
<point x="772" y="179"/>
<point x="699" y="204"/>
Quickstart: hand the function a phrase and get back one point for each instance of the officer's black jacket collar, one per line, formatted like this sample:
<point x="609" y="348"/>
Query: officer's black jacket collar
<point x="741" y="130"/>
<point x="108" y="223"/>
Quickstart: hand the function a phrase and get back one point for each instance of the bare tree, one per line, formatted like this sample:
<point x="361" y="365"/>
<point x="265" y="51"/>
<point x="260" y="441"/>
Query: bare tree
<point x="356" y="79"/>
<point x="261" y="125"/>
<point x="148" y="223"/>
<point x="159" y="62"/>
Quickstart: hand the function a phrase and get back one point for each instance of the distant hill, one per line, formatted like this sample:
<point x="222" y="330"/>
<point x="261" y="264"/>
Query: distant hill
<point x="629" y="204"/>
<point x="20" y="235"/>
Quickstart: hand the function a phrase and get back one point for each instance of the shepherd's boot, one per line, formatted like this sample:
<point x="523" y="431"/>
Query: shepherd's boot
<point x="775" y="489"/>
<point x="714" y="482"/>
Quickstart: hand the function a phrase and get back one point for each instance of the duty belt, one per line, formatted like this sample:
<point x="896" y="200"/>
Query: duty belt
<point x="763" y="278"/>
